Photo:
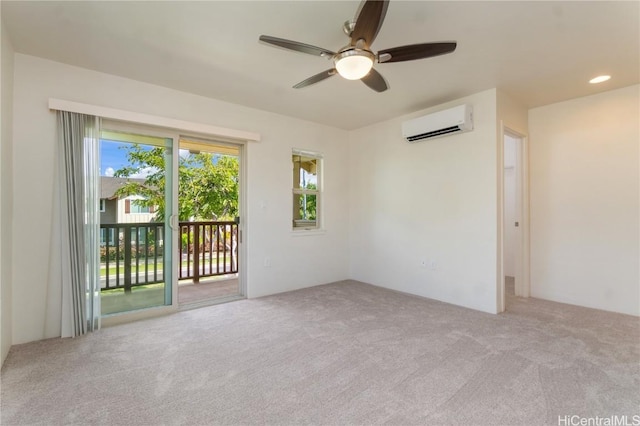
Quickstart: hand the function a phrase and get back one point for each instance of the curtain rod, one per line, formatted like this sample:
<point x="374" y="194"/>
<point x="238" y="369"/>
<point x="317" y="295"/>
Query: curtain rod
<point x="152" y="120"/>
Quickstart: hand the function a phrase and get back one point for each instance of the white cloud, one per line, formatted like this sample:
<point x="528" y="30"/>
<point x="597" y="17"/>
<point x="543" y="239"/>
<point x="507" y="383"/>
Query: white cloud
<point x="143" y="173"/>
<point x="109" y="171"/>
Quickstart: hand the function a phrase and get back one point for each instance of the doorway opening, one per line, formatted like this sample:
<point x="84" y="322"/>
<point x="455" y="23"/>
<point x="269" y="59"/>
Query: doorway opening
<point x="515" y="218"/>
<point x="208" y="222"/>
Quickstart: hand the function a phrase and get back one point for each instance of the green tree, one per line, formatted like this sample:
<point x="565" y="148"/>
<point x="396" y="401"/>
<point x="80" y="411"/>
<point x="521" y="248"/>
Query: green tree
<point x="308" y="201"/>
<point x="207" y="183"/>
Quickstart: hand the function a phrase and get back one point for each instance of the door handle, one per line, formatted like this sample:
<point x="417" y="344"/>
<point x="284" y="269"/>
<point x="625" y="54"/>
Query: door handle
<point x="173" y="222"/>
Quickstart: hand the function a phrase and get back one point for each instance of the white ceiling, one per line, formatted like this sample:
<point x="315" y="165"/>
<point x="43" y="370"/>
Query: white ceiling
<point x="539" y="52"/>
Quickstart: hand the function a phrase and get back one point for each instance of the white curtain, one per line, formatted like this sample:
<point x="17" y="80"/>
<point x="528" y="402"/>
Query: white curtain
<point x="78" y="239"/>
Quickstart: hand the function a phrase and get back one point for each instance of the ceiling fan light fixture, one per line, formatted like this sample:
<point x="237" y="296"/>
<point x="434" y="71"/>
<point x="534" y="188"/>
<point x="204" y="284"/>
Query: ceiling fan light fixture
<point x="353" y="64"/>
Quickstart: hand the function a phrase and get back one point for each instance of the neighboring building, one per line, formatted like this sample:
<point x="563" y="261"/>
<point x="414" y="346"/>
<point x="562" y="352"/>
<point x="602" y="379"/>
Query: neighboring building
<point x="121" y="210"/>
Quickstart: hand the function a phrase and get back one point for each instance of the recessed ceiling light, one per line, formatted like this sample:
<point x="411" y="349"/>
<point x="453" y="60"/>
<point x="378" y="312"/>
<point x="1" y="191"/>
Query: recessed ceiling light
<point x="599" y="79"/>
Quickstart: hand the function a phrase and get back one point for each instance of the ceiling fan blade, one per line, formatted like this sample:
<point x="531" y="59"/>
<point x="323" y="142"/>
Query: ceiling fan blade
<point x="369" y="21"/>
<point x="415" y="51"/>
<point x="375" y="81"/>
<point x="316" y="78"/>
<point x="297" y="46"/>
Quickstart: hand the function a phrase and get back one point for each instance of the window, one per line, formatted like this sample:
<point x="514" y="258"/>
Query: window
<point x="103" y="205"/>
<point x="136" y="206"/>
<point x="306" y="189"/>
<point x="107" y="235"/>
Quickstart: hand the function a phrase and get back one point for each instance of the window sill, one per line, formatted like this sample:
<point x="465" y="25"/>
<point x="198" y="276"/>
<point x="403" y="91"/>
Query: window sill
<point x="307" y="232"/>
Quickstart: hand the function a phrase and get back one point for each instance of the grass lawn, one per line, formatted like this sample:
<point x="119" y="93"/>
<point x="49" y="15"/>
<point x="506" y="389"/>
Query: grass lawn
<point x="150" y="262"/>
<point x="112" y="266"/>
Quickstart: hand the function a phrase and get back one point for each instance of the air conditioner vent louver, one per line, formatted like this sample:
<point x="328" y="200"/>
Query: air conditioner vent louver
<point x="433" y="134"/>
<point x="454" y="120"/>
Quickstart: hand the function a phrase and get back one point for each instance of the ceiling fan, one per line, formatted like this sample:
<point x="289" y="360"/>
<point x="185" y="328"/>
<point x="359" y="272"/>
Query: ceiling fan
<point x="355" y="60"/>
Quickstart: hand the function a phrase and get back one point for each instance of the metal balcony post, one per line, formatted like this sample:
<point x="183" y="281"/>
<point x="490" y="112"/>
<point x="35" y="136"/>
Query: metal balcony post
<point x="127" y="259"/>
<point x="196" y="253"/>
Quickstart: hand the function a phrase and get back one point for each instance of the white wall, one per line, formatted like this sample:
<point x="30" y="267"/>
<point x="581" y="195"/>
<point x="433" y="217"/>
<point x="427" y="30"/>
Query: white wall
<point x="295" y="261"/>
<point x="388" y="205"/>
<point x="584" y="201"/>
<point x="434" y="200"/>
<point x="6" y="192"/>
<point x="512" y="114"/>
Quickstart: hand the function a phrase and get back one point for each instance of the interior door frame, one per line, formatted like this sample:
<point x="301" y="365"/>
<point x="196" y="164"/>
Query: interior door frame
<point x="523" y="284"/>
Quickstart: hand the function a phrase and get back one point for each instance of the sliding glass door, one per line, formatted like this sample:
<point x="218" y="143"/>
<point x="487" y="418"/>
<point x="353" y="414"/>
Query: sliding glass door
<point x="170" y="225"/>
<point x="137" y="208"/>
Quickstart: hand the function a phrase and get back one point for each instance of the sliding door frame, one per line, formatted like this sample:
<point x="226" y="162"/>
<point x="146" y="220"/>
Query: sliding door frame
<point x="150" y="130"/>
<point x="172" y="281"/>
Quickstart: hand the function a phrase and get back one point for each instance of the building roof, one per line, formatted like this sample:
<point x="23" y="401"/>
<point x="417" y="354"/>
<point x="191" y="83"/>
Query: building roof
<point x="109" y="185"/>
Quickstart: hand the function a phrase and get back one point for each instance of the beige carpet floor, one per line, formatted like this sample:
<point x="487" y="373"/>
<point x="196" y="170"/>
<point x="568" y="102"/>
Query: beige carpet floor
<point x="343" y="353"/>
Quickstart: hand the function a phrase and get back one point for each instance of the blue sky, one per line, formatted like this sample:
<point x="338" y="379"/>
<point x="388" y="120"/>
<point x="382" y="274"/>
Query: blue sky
<point x="112" y="157"/>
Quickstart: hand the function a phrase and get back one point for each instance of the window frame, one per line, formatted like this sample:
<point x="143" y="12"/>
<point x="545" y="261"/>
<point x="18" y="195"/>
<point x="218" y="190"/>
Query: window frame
<point x="307" y="225"/>
<point x="110" y="236"/>
<point x="138" y="208"/>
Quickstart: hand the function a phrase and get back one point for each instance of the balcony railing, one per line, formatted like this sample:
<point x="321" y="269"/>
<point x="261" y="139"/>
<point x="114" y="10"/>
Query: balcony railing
<point x="132" y="254"/>
<point x="208" y="249"/>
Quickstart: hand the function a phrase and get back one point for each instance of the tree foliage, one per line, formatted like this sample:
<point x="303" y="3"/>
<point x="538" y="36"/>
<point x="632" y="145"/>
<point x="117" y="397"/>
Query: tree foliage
<point x="308" y="204"/>
<point x="207" y="183"/>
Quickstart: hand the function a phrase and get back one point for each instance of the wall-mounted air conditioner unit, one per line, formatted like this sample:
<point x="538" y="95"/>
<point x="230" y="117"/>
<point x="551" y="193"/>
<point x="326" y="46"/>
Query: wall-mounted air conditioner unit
<point x="454" y="120"/>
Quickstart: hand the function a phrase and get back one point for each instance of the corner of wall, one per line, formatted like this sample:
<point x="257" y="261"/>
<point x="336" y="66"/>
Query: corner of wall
<point x="429" y="203"/>
<point x="512" y="113"/>
<point x="6" y="193"/>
